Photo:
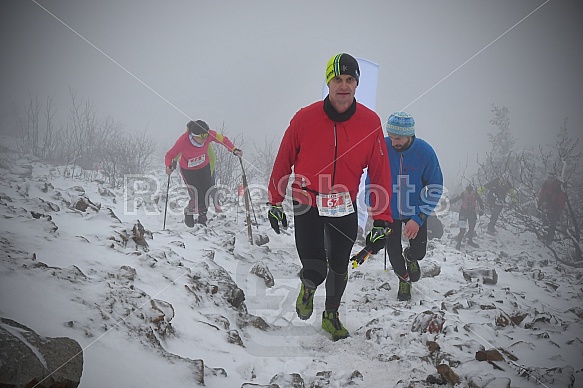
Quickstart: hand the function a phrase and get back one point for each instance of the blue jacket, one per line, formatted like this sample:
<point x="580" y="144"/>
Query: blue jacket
<point x="417" y="181"/>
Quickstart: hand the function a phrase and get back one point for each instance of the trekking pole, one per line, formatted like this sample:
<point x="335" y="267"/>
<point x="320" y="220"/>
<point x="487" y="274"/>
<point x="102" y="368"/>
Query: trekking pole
<point x="237" y="207"/>
<point x="167" y="189"/>
<point x="247" y="193"/>
<point x="246" y="196"/>
<point x="253" y="210"/>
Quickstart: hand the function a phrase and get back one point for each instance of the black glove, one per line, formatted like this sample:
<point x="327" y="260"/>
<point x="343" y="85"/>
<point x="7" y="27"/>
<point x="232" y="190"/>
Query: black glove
<point x="172" y="167"/>
<point x="376" y="238"/>
<point x="275" y="216"/>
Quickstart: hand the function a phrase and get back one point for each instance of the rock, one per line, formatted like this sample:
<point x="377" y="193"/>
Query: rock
<point x="46" y="187"/>
<point x="105" y="192"/>
<point x="77" y="190"/>
<point x="236" y="297"/>
<point x="433" y="346"/>
<point x="435" y="380"/>
<point x="250" y="320"/>
<point x="517" y="319"/>
<point x="430" y="269"/>
<point x="261" y="239"/>
<point x="292" y="380"/>
<point x="233" y="337"/>
<point x="543" y="321"/>
<point x="428" y="321"/>
<point x="82" y="203"/>
<point x="219" y="320"/>
<point x="489" y="355"/>
<point x="27" y="359"/>
<point x="488" y="276"/>
<point x="261" y="270"/>
<point x="448" y="374"/>
<point x="229" y="244"/>
<point x="578" y="311"/>
<point x="139" y="235"/>
<point x="502" y="319"/>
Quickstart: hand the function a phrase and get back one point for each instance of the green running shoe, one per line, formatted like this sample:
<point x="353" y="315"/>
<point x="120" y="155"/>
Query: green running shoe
<point x="331" y="323"/>
<point x="404" y="293"/>
<point x="412" y="267"/>
<point x="305" y="302"/>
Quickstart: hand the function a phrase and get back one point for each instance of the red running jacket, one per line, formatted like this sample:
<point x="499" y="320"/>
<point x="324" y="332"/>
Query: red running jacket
<point x="551" y="197"/>
<point x="194" y="157"/>
<point x="330" y="156"/>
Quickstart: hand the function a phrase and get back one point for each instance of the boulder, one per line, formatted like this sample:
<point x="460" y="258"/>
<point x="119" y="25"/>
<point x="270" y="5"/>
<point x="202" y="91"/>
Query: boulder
<point x="487" y="275"/>
<point x="27" y="359"/>
<point x="262" y="270"/>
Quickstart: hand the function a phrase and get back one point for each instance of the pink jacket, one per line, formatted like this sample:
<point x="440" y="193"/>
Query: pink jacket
<point x="194" y="157"/>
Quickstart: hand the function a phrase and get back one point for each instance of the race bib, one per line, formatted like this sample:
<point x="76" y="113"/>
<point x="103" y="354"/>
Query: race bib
<point x="334" y="205"/>
<point x="196" y="161"/>
<point x="463" y="224"/>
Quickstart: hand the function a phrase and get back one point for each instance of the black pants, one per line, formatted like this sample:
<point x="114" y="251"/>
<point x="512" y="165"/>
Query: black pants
<point x="324" y="245"/>
<point x="550" y="223"/>
<point x="471" y="217"/>
<point x="417" y="246"/>
<point x="198" y="183"/>
<point x="496" y="210"/>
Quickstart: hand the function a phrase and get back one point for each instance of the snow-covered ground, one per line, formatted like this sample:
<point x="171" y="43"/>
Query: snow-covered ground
<point x="143" y="314"/>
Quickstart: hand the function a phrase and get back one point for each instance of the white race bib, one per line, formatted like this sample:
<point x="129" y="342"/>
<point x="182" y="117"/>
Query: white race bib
<point x="196" y="161"/>
<point x="334" y="205"/>
<point x="463" y="224"/>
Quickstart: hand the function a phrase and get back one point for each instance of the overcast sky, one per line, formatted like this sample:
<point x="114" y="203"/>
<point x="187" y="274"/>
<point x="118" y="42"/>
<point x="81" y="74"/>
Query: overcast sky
<point x="252" y="64"/>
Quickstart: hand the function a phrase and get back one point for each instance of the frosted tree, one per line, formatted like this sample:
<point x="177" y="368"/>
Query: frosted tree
<point x="36" y="130"/>
<point x="262" y="160"/>
<point x="86" y="145"/>
<point x="502" y="142"/>
<point x="228" y="169"/>
<point x="563" y="161"/>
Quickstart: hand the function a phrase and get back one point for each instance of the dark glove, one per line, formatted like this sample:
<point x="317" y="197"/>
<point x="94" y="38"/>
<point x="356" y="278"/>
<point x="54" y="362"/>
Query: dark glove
<point x="275" y="216"/>
<point x="171" y="168"/>
<point x="376" y="238"/>
<point x="481" y="212"/>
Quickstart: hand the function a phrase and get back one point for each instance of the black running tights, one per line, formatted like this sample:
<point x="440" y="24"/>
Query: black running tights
<point x="324" y="245"/>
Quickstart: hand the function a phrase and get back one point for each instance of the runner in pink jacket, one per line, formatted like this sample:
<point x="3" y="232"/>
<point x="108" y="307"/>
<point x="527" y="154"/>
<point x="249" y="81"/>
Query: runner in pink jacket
<point x="193" y="149"/>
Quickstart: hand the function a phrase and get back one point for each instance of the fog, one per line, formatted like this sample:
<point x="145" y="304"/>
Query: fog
<point x="251" y="65"/>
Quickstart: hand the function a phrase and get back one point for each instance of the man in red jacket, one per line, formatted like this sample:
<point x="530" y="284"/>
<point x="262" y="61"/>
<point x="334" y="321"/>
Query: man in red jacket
<point x="328" y="144"/>
<point x="193" y="148"/>
<point x="471" y="206"/>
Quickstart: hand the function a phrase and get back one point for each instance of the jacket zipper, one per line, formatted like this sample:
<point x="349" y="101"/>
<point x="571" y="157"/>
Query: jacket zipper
<point x="400" y="194"/>
<point x="335" y="154"/>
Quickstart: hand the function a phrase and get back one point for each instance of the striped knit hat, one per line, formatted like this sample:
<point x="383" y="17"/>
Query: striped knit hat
<point x="401" y="124"/>
<point x="342" y="64"/>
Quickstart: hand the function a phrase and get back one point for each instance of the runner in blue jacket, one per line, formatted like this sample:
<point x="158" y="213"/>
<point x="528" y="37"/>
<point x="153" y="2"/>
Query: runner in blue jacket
<point x="417" y="184"/>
